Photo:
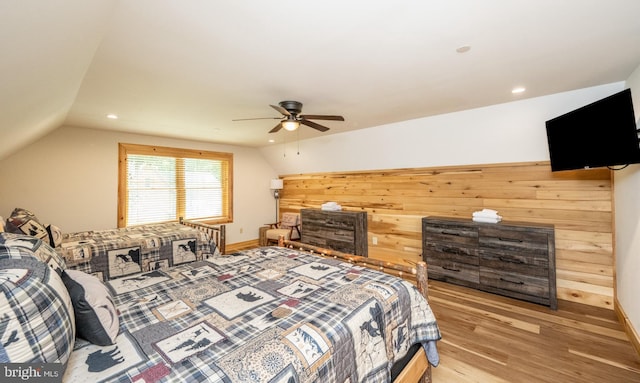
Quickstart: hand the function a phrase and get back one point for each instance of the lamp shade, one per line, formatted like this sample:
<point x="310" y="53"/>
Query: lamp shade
<point x="276" y="184"/>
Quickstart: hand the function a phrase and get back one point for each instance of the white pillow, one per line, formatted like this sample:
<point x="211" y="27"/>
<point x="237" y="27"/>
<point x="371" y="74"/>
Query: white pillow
<point x="95" y="312"/>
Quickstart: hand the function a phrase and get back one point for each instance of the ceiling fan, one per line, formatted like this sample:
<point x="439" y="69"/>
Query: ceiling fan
<point x="291" y="117"/>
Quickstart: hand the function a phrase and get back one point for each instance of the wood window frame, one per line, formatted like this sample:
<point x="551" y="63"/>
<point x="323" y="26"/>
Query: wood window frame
<point x="125" y="149"/>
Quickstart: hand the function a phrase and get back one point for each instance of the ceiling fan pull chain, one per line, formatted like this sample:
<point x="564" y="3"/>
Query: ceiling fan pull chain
<point x="284" y="147"/>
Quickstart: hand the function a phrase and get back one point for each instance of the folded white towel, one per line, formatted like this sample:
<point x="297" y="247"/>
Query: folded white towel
<point x="331" y="206"/>
<point x="486" y="216"/>
<point x="486" y="213"/>
<point x="487" y="220"/>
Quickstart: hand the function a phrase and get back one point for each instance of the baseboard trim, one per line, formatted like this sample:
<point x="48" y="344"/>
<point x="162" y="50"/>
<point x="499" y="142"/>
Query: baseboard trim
<point x="232" y="247"/>
<point x="626" y="324"/>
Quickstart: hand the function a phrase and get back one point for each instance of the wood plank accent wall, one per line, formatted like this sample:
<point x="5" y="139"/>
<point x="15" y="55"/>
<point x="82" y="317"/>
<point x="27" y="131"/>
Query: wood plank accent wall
<point x="578" y="203"/>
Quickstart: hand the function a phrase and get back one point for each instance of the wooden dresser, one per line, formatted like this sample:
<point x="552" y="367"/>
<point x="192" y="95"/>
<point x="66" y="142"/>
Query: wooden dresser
<point x="344" y="231"/>
<point x="514" y="259"/>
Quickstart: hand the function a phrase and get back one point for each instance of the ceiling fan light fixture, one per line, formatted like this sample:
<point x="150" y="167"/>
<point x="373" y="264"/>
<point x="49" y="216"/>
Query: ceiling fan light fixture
<point x="291" y="117"/>
<point x="290" y="125"/>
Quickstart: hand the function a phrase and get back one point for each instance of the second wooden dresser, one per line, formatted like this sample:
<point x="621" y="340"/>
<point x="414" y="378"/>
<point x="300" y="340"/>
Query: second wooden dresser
<point x="344" y="231"/>
<point x="514" y="259"/>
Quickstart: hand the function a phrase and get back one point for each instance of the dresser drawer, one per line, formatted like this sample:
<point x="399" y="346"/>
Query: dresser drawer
<point x="436" y="250"/>
<point x="324" y="219"/>
<point x="340" y="240"/>
<point x="514" y="240"/>
<point x="523" y="285"/>
<point x="454" y="272"/>
<point x="458" y="234"/>
<point x="312" y="231"/>
<point x="514" y="262"/>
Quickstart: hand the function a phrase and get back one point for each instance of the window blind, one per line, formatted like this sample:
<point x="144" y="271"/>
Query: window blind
<point x="161" y="188"/>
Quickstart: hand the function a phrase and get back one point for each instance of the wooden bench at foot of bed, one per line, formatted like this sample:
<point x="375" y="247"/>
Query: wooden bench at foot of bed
<point x="418" y="369"/>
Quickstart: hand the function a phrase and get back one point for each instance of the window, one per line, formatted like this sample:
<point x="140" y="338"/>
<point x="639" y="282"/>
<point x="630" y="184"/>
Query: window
<point x="159" y="184"/>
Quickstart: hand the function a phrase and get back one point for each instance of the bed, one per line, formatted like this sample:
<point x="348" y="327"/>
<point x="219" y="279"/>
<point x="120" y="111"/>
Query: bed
<point x="270" y="314"/>
<point x="115" y="253"/>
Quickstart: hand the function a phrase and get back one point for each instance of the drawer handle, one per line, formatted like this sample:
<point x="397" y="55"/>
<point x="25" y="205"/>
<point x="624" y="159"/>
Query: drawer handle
<point x="514" y="282"/>
<point x="509" y="240"/>
<point x="451" y="269"/>
<point x="450" y="250"/>
<point x="510" y="260"/>
<point x="447" y="232"/>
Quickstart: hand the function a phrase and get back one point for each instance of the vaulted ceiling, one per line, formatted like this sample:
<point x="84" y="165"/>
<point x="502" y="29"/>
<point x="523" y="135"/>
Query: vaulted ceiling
<point x="187" y="68"/>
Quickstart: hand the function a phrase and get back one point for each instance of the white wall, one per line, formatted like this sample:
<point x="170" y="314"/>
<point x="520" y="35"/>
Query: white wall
<point x="69" y="178"/>
<point x="627" y="221"/>
<point x="511" y="132"/>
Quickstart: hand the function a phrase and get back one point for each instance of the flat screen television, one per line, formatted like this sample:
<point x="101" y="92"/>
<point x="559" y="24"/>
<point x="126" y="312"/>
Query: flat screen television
<point x="603" y="133"/>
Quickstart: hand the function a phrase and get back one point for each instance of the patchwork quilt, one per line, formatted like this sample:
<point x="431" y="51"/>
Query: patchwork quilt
<point x="262" y="315"/>
<point x="115" y="253"/>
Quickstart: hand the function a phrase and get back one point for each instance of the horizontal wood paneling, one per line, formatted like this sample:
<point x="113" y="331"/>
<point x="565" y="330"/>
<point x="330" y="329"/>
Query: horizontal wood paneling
<point x="577" y="203"/>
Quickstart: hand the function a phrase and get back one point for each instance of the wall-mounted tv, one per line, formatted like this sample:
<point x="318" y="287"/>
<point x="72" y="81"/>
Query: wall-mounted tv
<point x="603" y="133"/>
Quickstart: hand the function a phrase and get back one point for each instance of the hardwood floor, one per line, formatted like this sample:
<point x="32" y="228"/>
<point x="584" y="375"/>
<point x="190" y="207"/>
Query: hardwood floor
<point x="489" y="338"/>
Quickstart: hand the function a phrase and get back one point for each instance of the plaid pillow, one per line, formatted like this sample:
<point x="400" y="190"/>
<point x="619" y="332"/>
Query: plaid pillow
<point x="45" y="330"/>
<point x="37" y="248"/>
<point x="23" y="221"/>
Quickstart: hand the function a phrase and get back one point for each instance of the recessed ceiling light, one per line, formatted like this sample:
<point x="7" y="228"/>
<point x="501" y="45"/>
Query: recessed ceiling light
<point x="272" y="140"/>
<point x="112" y="116"/>
<point x="463" y="49"/>
<point x="519" y="89"/>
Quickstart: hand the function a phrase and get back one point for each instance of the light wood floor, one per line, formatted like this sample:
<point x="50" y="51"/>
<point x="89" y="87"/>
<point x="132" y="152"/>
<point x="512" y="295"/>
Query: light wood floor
<point x="489" y="338"/>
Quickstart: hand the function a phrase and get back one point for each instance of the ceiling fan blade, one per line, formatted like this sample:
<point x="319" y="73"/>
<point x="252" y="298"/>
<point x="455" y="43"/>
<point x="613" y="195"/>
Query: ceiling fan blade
<point x="276" y="128"/>
<point x="322" y="117"/>
<point x="257" y="118"/>
<point x="280" y="109"/>
<point x="314" y="125"/>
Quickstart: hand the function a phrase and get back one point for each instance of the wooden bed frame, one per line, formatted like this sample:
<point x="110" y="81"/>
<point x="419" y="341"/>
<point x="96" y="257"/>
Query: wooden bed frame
<point x="418" y="369"/>
<point x="217" y="232"/>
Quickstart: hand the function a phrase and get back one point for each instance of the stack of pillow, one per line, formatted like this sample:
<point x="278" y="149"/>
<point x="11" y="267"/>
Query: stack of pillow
<point x="45" y="304"/>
